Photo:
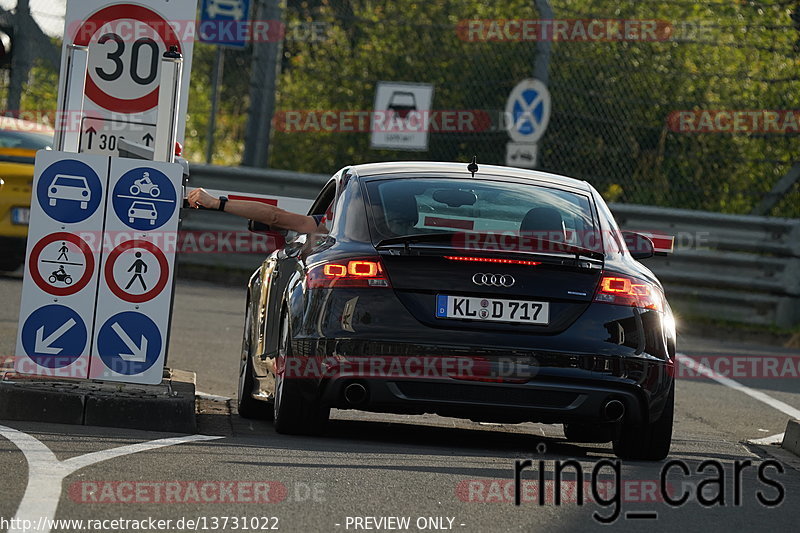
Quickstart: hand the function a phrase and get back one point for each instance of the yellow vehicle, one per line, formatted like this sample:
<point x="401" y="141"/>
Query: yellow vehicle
<point x="19" y="141"/>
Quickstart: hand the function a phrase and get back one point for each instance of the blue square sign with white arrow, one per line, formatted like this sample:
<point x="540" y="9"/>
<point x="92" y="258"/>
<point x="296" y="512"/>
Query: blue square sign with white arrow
<point x="225" y="22"/>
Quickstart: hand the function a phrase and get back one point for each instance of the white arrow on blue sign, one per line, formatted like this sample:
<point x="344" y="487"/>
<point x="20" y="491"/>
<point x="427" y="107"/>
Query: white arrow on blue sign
<point x="54" y="336"/>
<point x="129" y="343"/>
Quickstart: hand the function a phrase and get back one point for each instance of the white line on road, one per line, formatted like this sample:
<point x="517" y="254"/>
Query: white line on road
<point x="758" y="395"/>
<point x="46" y="473"/>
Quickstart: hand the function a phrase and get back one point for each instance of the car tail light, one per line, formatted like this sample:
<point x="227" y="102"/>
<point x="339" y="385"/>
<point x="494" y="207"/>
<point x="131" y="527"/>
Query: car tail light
<point x="625" y="290"/>
<point x="492" y="260"/>
<point x="360" y="272"/>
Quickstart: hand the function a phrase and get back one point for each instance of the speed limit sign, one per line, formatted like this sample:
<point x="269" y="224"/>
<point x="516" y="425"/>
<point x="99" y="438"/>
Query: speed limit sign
<point x="126" y="42"/>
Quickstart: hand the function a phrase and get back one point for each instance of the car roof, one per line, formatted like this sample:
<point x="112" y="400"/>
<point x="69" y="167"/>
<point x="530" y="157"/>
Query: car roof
<point x="430" y="167"/>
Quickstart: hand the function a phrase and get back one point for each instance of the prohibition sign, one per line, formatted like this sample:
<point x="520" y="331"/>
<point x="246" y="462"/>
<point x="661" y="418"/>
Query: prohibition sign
<point x="162" y="275"/>
<point x="33" y="264"/>
<point x="109" y="14"/>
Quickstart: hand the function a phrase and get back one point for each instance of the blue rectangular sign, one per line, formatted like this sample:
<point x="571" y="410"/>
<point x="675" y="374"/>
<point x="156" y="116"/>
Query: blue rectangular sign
<point x="225" y="22"/>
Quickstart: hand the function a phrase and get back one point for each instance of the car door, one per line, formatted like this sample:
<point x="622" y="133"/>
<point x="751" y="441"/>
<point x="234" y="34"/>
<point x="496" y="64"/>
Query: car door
<point x="287" y="266"/>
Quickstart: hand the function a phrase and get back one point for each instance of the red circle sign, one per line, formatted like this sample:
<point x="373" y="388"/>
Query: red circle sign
<point x="109" y="14"/>
<point x="162" y="275"/>
<point x="33" y="264"/>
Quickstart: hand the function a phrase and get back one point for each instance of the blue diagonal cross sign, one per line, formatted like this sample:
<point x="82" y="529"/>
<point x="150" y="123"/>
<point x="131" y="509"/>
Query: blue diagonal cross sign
<point x="54" y="336"/>
<point x="144" y="199"/>
<point x="129" y="343"/>
<point x="528" y="111"/>
<point x="69" y="191"/>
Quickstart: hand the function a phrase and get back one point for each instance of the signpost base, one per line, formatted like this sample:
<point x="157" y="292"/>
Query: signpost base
<point x="168" y="406"/>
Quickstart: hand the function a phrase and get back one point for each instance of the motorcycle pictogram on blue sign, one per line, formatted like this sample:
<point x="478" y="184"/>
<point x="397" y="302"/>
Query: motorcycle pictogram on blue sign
<point x="144" y="199"/>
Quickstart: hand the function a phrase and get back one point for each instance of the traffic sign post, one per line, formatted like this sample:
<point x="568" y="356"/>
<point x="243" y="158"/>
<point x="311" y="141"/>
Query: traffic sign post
<point x="134" y="299"/>
<point x="404" y="109"/>
<point x="220" y="20"/>
<point x="121" y="70"/>
<point x="527" y="116"/>
<point x="60" y="282"/>
<point x="97" y="292"/>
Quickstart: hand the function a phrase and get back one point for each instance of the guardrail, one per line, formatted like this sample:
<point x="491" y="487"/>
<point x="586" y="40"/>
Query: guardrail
<point x="728" y="267"/>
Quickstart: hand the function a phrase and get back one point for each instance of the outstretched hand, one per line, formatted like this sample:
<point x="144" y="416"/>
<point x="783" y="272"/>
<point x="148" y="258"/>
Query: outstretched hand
<point x="200" y="198"/>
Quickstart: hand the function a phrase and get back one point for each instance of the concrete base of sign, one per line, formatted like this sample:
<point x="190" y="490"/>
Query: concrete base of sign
<point x="169" y="406"/>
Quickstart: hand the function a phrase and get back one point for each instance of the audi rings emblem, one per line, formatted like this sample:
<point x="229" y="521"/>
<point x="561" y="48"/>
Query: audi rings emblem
<point x="493" y="280"/>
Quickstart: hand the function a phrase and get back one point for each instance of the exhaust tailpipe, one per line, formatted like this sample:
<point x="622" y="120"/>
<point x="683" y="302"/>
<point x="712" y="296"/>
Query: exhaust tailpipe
<point x="614" y="410"/>
<point x="355" y="393"/>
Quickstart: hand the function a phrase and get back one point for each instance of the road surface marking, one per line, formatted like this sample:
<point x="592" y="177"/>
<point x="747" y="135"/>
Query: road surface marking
<point x="758" y="395"/>
<point x="46" y="473"/>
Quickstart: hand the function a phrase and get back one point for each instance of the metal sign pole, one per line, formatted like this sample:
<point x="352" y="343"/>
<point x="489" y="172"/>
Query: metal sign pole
<point x="68" y="134"/>
<point x="168" y="104"/>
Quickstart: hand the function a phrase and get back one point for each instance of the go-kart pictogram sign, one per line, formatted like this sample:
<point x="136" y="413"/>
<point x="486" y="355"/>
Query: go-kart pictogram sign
<point x="137" y="271"/>
<point x="61" y="264"/>
<point x="126" y="42"/>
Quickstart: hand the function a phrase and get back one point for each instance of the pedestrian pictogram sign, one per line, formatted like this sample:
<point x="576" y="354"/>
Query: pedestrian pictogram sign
<point x="142" y="205"/>
<point x="62" y="264"/>
<point x="126" y="41"/>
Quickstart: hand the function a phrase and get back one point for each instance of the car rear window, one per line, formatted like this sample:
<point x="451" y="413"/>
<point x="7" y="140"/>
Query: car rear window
<point x="410" y="206"/>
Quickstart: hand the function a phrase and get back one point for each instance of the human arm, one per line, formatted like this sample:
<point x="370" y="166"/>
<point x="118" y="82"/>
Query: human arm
<point x="258" y="211"/>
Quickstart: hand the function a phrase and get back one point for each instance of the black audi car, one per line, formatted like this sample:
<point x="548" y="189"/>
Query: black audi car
<point x="487" y="293"/>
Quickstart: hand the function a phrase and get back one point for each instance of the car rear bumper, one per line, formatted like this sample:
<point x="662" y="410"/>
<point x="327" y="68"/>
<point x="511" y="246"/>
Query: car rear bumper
<point x="496" y="386"/>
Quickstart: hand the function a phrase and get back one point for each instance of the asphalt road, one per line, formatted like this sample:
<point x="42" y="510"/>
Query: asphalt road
<point x="439" y="473"/>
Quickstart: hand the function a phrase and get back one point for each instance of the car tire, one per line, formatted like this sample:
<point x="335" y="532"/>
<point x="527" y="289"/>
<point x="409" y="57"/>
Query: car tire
<point x="650" y="442"/>
<point x="245" y="404"/>
<point x="294" y="414"/>
<point x="52" y="202"/>
<point x="594" y="433"/>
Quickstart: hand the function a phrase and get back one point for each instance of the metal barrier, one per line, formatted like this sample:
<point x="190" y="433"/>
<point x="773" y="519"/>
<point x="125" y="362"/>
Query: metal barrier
<point x="727" y="267"/>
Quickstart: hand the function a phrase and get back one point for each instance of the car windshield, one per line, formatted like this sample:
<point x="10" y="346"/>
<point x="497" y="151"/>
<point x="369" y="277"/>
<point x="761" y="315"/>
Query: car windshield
<point x="70" y="182"/>
<point x="27" y="140"/>
<point x="406" y="207"/>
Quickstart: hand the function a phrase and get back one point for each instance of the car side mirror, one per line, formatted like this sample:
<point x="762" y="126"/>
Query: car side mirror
<point x="639" y="246"/>
<point x="259" y="227"/>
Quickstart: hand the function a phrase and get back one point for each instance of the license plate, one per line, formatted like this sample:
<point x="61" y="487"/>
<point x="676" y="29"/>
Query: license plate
<point x="20" y="216"/>
<point x="493" y="310"/>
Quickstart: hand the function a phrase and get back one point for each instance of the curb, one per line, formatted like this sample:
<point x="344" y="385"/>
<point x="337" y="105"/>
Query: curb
<point x="168" y="407"/>
<point x="791" y="439"/>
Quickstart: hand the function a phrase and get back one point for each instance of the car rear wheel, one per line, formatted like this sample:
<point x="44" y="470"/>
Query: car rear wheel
<point x="246" y="405"/>
<point x="294" y="413"/>
<point x="650" y="442"/>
